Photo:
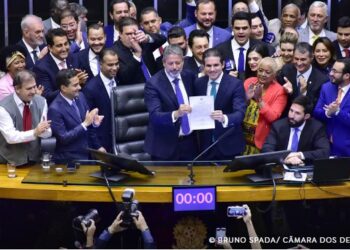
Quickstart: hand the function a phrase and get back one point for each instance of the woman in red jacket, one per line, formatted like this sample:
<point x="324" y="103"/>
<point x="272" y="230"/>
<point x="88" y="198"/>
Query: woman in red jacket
<point x="266" y="102"/>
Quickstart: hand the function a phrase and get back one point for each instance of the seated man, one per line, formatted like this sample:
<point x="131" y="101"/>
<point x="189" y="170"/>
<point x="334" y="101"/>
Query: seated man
<point x="303" y="135"/>
<point x="71" y="119"/>
<point x="23" y="122"/>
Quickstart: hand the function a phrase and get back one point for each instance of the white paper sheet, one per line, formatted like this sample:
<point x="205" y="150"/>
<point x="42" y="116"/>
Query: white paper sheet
<point x="202" y="107"/>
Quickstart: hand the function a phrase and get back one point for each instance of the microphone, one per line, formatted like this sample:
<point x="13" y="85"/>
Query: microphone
<point x="190" y="165"/>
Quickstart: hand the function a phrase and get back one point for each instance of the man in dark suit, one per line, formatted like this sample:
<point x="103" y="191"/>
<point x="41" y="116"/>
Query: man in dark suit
<point x="88" y="59"/>
<point x="56" y="7"/>
<point x="32" y="39"/>
<point x="168" y="135"/>
<point x="205" y="14"/>
<point x="235" y="50"/>
<point x="71" y="120"/>
<point x="58" y="58"/>
<point x="342" y="44"/>
<point x="300" y="77"/>
<point x="98" y="91"/>
<point x="310" y="141"/>
<point x="333" y="107"/>
<point x="134" y="49"/>
<point x="229" y="108"/>
<point x="198" y="43"/>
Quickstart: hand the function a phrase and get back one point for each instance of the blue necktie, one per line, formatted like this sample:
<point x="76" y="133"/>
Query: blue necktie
<point x="185" y="126"/>
<point x="74" y="104"/>
<point x="145" y="70"/>
<point x="241" y="60"/>
<point x="35" y="56"/>
<point x="213" y="91"/>
<point x="295" y="140"/>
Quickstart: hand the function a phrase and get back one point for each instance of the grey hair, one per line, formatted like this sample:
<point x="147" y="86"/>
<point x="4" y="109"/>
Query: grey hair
<point x="28" y="19"/>
<point x="172" y="50"/>
<point x="293" y="6"/>
<point x="23" y="76"/>
<point x="320" y="4"/>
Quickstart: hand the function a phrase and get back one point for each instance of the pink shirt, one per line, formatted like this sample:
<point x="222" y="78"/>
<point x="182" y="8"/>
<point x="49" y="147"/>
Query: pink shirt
<point x="6" y="86"/>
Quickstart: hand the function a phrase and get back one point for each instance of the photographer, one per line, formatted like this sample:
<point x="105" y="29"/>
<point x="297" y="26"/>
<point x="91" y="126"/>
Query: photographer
<point x="116" y="227"/>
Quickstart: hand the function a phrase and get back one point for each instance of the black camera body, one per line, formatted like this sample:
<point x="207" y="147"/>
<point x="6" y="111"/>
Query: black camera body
<point x="85" y="219"/>
<point x="129" y="208"/>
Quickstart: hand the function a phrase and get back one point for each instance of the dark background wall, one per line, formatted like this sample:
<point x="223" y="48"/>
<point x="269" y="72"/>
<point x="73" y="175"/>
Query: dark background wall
<point x="168" y="9"/>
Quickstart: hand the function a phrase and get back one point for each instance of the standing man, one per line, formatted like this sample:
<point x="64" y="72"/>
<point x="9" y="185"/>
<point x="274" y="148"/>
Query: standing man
<point x="32" y="39"/>
<point x="342" y="44"/>
<point x="134" y="49"/>
<point x="151" y="22"/>
<point x="56" y="7"/>
<point x="98" y="92"/>
<point x="71" y="120"/>
<point x="205" y="14"/>
<point x="168" y="134"/>
<point x="229" y="108"/>
<point x="23" y="121"/>
<point x="88" y="59"/>
<point x="117" y="10"/>
<point x="303" y="135"/>
<point x="333" y="107"/>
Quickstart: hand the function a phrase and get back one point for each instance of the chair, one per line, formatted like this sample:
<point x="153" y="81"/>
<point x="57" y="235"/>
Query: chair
<point x="130" y="120"/>
<point x="48" y="145"/>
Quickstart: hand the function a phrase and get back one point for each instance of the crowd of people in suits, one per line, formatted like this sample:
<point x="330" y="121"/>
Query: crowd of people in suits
<point x="276" y="84"/>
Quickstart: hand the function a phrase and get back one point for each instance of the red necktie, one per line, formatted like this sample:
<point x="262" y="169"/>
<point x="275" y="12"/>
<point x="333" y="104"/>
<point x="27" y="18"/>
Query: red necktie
<point x="27" y="118"/>
<point x="347" y="53"/>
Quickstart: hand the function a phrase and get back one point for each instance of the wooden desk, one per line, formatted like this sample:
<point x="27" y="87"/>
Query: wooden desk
<point x="156" y="193"/>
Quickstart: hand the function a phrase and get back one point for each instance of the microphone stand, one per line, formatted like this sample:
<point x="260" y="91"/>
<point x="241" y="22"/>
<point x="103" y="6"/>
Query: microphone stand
<point x="191" y="176"/>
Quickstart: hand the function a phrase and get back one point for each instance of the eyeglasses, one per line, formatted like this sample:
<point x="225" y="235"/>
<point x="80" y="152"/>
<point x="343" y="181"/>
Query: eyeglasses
<point x="69" y="25"/>
<point x="334" y="71"/>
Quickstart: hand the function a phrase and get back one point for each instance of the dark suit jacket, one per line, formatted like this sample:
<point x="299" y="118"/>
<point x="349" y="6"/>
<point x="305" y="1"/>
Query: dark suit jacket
<point x="231" y="100"/>
<point x="226" y="50"/>
<point x="72" y="138"/>
<point x="162" y="134"/>
<point x="29" y="61"/>
<point x="314" y="83"/>
<point x="130" y="71"/>
<point x="313" y="139"/>
<point x="97" y="97"/>
<point x="219" y="35"/>
<point x="191" y="65"/>
<point x="82" y="61"/>
<point x="109" y="30"/>
<point x="337" y="49"/>
<point x="46" y="70"/>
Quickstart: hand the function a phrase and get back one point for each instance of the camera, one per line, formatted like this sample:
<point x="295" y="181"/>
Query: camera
<point x="129" y="208"/>
<point x="91" y="215"/>
<point x="235" y="211"/>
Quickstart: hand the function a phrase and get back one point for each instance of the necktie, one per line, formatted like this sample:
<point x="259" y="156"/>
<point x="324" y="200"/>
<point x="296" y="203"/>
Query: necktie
<point x="213" y="91"/>
<point x="295" y="140"/>
<point x="74" y="104"/>
<point x="145" y="70"/>
<point x="298" y="84"/>
<point x="241" y="60"/>
<point x="98" y="64"/>
<point x="313" y="39"/>
<point x="62" y="65"/>
<point x="111" y="85"/>
<point x="347" y="53"/>
<point x="35" y="56"/>
<point x="340" y="94"/>
<point x="185" y="126"/>
<point x="27" y="118"/>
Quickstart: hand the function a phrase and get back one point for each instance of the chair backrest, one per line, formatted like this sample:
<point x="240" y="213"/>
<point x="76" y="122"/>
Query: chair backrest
<point x="131" y="120"/>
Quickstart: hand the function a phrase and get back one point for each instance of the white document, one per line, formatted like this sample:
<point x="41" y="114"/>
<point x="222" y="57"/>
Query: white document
<point x="202" y="107"/>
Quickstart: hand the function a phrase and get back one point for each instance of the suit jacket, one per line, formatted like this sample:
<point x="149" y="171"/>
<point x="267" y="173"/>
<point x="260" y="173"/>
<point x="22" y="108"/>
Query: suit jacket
<point x="338" y="52"/>
<point x="191" y="65"/>
<point x="337" y="126"/>
<point x="130" y="71"/>
<point x="82" y="62"/>
<point x="231" y="100"/>
<point x="162" y="134"/>
<point x="304" y="35"/>
<point x="219" y="35"/>
<point x="97" y="97"/>
<point x="46" y="70"/>
<point x="29" y="61"/>
<point x="313" y="141"/>
<point x="74" y="48"/>
<point x="109" y="30"/>
<point x="72" y="138"/>
<point x="314" y="83"/>
<point x="47" y="25"/>
<point x="227" y="51"/>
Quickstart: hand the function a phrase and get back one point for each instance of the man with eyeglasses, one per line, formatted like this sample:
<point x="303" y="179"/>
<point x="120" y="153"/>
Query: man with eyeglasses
<point x="333" y="107"/>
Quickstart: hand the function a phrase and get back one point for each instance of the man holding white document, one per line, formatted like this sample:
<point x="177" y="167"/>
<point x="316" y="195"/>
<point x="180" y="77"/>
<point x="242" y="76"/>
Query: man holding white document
<point x="228" y="95"/>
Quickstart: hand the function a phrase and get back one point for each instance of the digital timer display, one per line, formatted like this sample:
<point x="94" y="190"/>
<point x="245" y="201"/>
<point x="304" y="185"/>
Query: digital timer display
<point x="194" y="198"/>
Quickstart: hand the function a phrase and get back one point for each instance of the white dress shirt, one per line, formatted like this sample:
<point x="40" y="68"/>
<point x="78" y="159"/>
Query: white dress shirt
<point x="30" y="49"/>
<point x="106" y="82"/>
<point x="58" y="62"/>
<point x="9" y="131"/>
<point x="235" y="50"/>
<point x="93" y="62"/>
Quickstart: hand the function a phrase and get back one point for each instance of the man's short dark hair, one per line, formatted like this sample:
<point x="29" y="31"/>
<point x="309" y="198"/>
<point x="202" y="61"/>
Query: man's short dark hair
<point x="113" y="2"/>
<point x="304" y="47"/>
<point x="95" y="26"/>
<point x="305" y="102"/>
<point x="241" y="16"/>
<point x="23" y="76"/>
<point x="126" y="21"/>
<point x="213" y="52"/>
<point x="148" y="10"/>
<point x="53" y="33"/>
<point x="204" y="2"/>
<point x="176" y="32"/>
<point x="197" y="33"/>
<point x="107" y="51"/>
<point x="63" y="77"/>
<point x="344" y="22"/>
<point x="69" y="13"/>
